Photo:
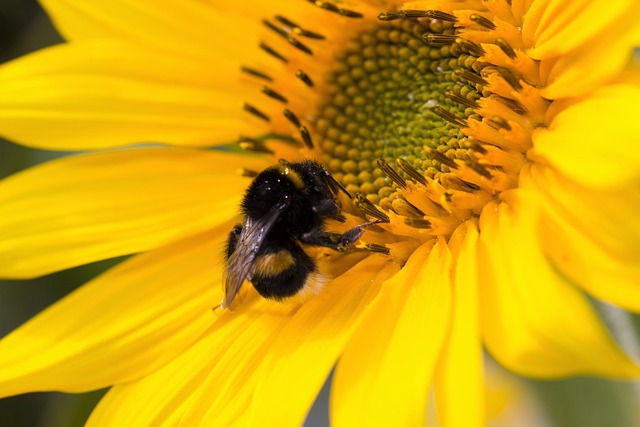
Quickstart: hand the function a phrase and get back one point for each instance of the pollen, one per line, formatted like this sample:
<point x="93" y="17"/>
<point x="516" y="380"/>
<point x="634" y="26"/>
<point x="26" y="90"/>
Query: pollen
<point x="424" y="116"/>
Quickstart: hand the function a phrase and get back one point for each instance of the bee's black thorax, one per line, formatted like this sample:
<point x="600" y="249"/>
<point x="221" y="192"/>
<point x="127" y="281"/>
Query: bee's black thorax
<point x="302" y="183"/>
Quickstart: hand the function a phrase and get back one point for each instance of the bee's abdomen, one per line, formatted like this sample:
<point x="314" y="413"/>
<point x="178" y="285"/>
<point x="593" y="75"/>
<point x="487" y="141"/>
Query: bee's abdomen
<point x="282" y="272"/>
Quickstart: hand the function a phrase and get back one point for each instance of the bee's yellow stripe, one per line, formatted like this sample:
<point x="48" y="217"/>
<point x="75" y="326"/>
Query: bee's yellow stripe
<point x="292" y="175"/>
<point x="274" y="263"/>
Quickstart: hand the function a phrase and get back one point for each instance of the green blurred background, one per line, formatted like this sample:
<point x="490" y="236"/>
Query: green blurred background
<point x="580" y="402"/>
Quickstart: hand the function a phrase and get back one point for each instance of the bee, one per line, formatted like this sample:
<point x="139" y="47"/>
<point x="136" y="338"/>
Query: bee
<point x="284" y="209"/>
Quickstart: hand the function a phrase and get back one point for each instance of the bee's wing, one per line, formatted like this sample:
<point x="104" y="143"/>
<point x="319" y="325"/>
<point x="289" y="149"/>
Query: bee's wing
<point x="241" y="263"/>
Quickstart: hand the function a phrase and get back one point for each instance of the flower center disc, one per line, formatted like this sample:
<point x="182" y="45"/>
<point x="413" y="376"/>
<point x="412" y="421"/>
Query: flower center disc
<point x="384" y="96"/>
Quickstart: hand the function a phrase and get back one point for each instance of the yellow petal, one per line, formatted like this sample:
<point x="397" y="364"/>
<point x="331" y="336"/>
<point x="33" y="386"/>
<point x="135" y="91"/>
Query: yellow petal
<point x="592" y="236"/>
<point x="120" y="326"/>
<point x="85" y="208"/>
<point x="193" y="27"/>
<point x="214" y="382"/>
<point x="460" y="368"/>
<point x="555" y="27"/>
<point x="223" y="363"/>
<point x="533" y="321"/>
<point x="103" y="93"/>
<point x="605" y="57"/>
<point x="306" y="349"/>
<point x="595" y="140"/>
<point x="384" y="375"/>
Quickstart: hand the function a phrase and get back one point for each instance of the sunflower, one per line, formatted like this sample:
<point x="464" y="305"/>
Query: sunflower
<point x="471" y="131"/>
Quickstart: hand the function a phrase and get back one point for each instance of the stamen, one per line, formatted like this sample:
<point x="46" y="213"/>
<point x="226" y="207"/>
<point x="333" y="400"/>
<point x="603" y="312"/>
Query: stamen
<point x="438" y="156"/>
<point x="292" y="117"/>
<point x="514" y="105"/>
<point x="471" y="47"/>
<point x="417" y="223"/>
<point x="461" y="99"/>
<point x="272" y="52"/>
<point x="409" y="170"/>
<point x="351" y="13"/>
<point x="333" y="8"/>
<point x="299" y="45"/>
<point x="251" y="144"/>
<point x="448" y="116"/>
<point x="508" y="76"/>
<point x="248" y="173"/>
<point x="374" y="247"/>
<point x="404" y="208"/>
<point x="440" y="38"/>
<point x="392" y="174"/>
<point x="256" y="73"/>
<point x="292" y="40"/>
<point x="499" y="123"/>
<point x="479" y="169"/>
<point x="477" y="146"/>
<point x="481" y="20"/>
<point x="369" y="208"/>
<point x="468" y="75"/>
<point x="506" y="47"/>
<point x="297" y="29"/>
<point x="273" y="94"/>
<point x="415" y="14"/>
<point x="306" y="136"/>
<point x="304" y="77"/>
<point x="278" y="30"/>
<point x="253" y="110"/>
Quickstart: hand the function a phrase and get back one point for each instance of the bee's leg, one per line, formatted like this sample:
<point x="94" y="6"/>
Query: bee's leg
<point x="353" y="234"/>
<point x="335" y="241"/>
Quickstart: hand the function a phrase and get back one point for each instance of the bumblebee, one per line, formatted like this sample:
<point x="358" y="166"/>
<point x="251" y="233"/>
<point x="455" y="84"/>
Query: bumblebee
<point x="284" y="209"/>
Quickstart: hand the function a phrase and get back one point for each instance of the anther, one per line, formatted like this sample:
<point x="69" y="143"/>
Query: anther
<point x="392" y="174"/>
<point x="448" y="116"/>
<point x="251" y="144"/>
<point x="325" y="5"/>
<point x="471" y="47"/>
<point x="509" y="77"/>
<point x="256" y="73"/>
<point x="461" y="99"/>
<point x="409" y="170"/>
<point x="292" y="117"/>
<point x="374" y="247"/>
<point x="350" y="13"/>
<point x="297" y="29"/>
<point x="468" y="75"/>
<point x="439" y="38"/>
<point x="481" y="20"/>
<point x="369" y="208"/>
<point x="248" y="173"/>
<point x="479" y="169"/>
<point x="477" y="146"/>
<point x="273" y="94"/>
<point x="333" y="8"/>
<point x="272" y="52"/>
<point x="304" y="77"/>
<point x="506" y="47"/>
<point x="276" y="29"/>
<point x="438" y="156"/>
<point x="417" y="223"/>
<point x="299" y="45"/>
<point x="415" y="14"/>
<point x="253" y="110"/>
<point x="498" y="122"/>
<point x="404" y="208"/>
<point x="514" y="105"/>
<point x="292" y="40"/>
<point x="306" y="136"/>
